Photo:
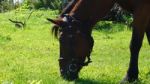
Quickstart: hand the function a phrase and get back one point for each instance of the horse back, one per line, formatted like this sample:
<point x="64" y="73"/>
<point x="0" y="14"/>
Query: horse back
<point x="131" y="5"/>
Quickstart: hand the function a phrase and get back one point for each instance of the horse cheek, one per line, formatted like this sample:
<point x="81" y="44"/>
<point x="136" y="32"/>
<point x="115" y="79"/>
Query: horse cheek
<point x="82" y="48"/>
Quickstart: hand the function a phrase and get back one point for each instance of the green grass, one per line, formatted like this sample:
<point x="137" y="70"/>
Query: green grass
<point x="30" y="55"/>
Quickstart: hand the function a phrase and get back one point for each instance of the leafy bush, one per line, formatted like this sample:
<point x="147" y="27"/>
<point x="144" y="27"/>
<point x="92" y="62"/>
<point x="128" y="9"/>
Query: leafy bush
<point x="56" y="4"/>
<point x="27" y="5"/>
<point x="5" y="6"/>
<point x="38" y="4"/>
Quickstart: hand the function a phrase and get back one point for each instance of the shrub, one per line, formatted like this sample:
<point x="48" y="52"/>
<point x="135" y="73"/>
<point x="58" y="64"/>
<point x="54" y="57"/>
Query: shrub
<point x="5" y="5"/>
<point x="38" y="4"/>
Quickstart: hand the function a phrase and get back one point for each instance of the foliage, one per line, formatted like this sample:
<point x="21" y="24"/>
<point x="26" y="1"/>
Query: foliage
<point x="27" y="5"/>
<point x="5" y="5"/>
<point x="56" y="4"/>
<point x="29" y="56"/>
<point x="38" y="4"/>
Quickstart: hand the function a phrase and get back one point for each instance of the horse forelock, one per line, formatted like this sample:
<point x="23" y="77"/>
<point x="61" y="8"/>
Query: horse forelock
<point x="67" y="9"/>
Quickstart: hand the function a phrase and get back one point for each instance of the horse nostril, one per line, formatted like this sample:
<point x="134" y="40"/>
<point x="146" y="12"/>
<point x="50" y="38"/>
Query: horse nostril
<point x="72" y="67"/>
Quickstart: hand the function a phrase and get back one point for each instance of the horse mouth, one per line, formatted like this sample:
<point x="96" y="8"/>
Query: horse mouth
<point x="69" y="75"/>
<point x="70" y="72"/>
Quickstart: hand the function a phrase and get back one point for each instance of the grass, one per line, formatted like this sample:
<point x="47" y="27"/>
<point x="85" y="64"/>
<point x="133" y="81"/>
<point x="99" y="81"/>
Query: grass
<point x="29" y="55"/>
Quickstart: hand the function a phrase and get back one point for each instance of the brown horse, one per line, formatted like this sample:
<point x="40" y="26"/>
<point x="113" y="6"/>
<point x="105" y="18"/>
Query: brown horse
<point x="74" y="29"/>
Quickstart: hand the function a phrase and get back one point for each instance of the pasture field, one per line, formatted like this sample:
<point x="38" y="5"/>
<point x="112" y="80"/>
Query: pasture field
<point x="30" y="55"/>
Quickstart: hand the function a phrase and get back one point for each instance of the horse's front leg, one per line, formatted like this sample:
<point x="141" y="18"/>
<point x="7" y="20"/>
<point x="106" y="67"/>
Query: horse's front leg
<point x="141" y="19"/>
<point x="135" y="45"/>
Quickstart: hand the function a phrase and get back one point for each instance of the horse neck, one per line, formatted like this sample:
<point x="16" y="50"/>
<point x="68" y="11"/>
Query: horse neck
<point x="69" y="7"/>
<point x="91" y="12"/>
<point x="81" y="12"/>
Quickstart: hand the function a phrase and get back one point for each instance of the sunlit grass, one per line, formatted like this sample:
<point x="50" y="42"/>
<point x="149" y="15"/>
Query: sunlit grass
<point x="30" y="55"/>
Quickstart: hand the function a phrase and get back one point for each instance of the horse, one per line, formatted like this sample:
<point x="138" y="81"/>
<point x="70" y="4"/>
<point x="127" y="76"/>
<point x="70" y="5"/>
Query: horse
<point x="74" y="27"/>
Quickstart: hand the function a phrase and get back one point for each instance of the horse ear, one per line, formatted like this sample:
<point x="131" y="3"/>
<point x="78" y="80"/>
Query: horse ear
<point x="58" y="22"/>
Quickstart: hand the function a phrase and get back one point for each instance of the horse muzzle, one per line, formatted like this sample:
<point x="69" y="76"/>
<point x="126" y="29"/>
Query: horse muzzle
<point x="70" y="73"/>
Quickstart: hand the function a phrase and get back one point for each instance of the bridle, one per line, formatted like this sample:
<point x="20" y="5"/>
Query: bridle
<point x="69" y="20"/>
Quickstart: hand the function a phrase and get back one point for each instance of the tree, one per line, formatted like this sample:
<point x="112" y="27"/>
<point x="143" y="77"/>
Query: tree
<point x="6" y="5"/>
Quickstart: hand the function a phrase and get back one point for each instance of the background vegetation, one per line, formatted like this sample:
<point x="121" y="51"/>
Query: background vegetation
<point x="6" y="5"/>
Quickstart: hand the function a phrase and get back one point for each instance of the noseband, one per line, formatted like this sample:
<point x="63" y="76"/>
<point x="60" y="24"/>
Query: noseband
<point x="69" y="20"/>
